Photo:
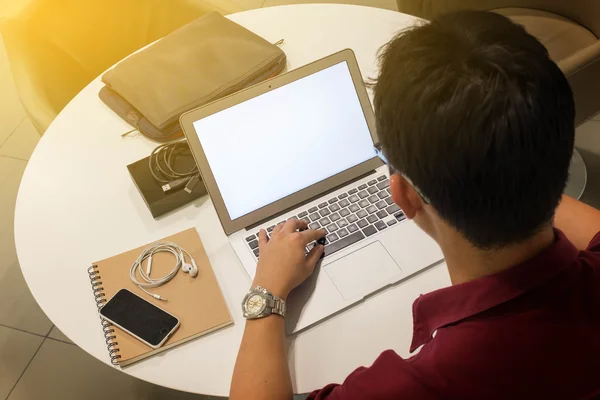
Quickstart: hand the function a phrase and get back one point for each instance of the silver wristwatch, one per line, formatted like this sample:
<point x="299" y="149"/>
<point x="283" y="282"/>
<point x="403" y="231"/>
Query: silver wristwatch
<point x="259" y="303"/>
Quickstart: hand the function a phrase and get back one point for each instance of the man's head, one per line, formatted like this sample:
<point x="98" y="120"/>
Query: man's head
<point x="473" y="111"/>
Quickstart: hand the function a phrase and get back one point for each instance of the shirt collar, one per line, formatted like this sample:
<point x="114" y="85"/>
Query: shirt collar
<point x="452" y="304"/>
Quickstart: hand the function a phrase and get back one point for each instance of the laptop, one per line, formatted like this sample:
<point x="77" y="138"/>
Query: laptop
<point x="301" y="145"/>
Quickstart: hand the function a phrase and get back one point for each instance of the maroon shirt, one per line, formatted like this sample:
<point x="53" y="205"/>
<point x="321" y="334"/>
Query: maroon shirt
<point x="530" y="332"/>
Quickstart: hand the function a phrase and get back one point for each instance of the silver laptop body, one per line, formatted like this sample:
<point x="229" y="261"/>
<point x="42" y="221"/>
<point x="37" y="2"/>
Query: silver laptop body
<point x="301" y="146"/>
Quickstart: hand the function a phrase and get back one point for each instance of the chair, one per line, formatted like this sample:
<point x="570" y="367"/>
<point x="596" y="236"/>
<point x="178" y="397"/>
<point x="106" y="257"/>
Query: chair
<point x="56" y="47"/>
<point x="568" y="28"/>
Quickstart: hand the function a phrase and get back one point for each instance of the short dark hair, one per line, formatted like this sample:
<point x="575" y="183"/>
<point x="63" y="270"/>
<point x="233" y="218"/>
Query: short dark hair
<point x="472" y="109"/>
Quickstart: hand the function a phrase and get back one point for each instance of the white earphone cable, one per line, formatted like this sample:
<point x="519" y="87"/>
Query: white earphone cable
<point x="147" y="282"/>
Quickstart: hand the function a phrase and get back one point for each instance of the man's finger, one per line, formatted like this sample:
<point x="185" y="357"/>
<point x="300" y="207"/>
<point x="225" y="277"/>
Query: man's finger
<point x="310" y="234"/>
<point x="314" y="256"/>
<point x="301" y="225"/>
<point x="262" y="238"/>
<point x="278" y="228"/>
<point x="291" y="225"/>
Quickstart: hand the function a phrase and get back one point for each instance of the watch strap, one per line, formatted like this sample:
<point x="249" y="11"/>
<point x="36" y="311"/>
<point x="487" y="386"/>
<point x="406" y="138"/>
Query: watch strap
<point x="277" y="306"/>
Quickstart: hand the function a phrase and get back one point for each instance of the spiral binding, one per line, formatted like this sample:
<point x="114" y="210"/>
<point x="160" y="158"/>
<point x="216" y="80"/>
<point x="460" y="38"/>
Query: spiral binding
<point x="99" y="298"/>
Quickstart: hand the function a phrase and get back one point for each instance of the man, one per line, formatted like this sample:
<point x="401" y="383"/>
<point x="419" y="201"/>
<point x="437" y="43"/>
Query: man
<point x="477" y="125"/>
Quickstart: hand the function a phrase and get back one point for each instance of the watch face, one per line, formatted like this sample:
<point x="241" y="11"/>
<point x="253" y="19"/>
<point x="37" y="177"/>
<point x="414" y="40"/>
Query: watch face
<point x="255" y="304"/>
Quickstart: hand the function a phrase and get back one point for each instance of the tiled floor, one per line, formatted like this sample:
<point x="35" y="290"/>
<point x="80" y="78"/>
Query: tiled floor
<point x="36" y="360"/>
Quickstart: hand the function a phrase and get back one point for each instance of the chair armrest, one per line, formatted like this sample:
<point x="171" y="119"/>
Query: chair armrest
<point x="584" y="12"/>
<point x="430" y="8"/>
<point x="582" y="69"/>
<point x="36" y="103"/>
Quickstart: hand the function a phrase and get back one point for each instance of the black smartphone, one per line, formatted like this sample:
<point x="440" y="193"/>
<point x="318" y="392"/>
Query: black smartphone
<point x="140" y="318"/>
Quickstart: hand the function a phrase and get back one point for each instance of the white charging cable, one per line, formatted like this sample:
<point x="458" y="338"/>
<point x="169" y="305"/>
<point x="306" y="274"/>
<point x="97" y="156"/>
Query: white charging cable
<point x="149" y="282"/>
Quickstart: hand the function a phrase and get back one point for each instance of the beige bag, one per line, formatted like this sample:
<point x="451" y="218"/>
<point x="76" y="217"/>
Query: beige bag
<point x="202" y="61"/>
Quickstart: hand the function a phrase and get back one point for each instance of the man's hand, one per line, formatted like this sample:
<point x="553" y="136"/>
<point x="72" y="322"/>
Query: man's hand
<point x="282" y="266"/>
<point x="283" y="262"/>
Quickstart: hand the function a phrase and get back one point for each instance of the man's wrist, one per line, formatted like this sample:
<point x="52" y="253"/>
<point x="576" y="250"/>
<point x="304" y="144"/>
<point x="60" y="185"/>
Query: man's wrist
<point x="273" y="289"/>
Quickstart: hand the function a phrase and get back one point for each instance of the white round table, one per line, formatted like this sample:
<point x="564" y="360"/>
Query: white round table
<point x="77" y="204"/>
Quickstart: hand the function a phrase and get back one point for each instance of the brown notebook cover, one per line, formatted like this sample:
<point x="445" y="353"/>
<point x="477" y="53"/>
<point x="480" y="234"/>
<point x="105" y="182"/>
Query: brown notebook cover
<point x="198" y="302"/>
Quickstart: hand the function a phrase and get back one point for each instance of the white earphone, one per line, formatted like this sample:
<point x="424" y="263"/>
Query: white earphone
<point x="160" y="247"/>
<point x="191" y="269"/>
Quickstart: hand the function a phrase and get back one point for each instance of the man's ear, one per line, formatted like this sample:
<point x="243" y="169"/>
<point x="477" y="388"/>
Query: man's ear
<point x="405" y="196"/>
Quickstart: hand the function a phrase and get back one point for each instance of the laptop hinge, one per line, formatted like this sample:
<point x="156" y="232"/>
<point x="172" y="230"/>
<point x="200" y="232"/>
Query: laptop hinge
<point x="309" y="200"/>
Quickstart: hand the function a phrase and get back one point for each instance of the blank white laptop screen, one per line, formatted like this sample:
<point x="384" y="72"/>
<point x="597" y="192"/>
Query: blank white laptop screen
<point x="285" y="140"/>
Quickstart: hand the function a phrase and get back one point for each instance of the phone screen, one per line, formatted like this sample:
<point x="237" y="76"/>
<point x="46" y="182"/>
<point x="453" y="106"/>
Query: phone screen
<point x="140" y="317"/>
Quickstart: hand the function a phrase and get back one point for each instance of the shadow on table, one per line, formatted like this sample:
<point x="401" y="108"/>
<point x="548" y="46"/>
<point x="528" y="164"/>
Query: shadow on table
<point x="298" y="299"/>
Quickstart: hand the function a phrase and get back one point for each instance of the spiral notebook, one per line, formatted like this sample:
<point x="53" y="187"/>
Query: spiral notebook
<point x="198" y="302"/>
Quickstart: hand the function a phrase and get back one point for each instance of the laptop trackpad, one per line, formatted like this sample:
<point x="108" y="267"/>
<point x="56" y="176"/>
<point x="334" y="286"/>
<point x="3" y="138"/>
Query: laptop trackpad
<point x="364" y="270"/>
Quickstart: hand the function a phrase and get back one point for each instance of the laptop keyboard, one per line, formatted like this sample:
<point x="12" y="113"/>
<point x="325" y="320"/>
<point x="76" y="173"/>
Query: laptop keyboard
<point x="348" y="217"/>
